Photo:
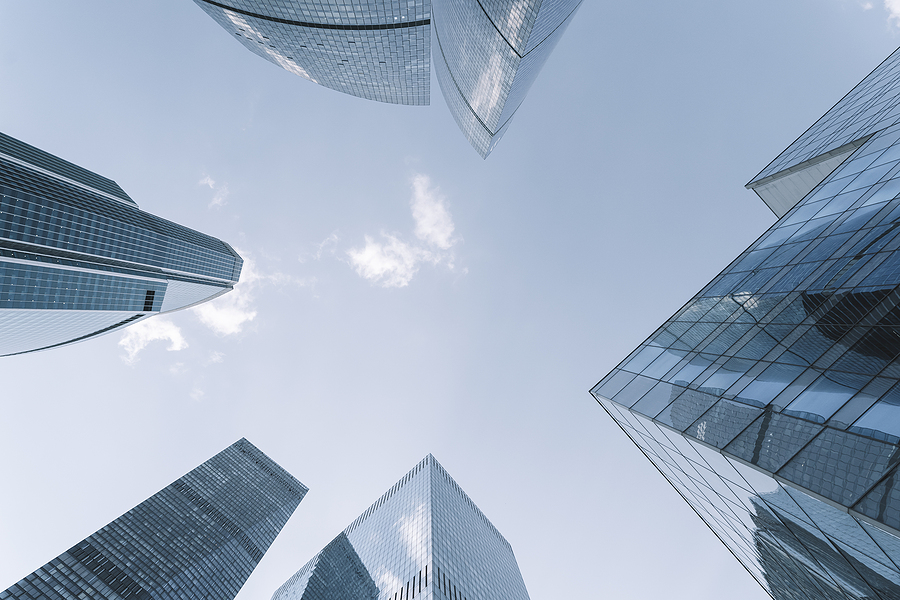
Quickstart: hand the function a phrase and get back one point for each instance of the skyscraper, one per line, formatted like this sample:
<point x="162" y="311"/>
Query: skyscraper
<point x="771" y="400"/>
<point x="424" y="538"/>
<point x="487" y="55"/>
<point x="378" y="51"/>
<point x="78" y="258"/>
<point x="199" y="537"/>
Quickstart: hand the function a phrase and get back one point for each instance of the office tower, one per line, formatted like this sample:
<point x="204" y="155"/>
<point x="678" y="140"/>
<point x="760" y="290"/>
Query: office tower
<point x="199" y="537"/>
<point x="78" y="258"/>
<point x="424" y="538"/>
<point x="771" y="400"/>
<point x="486" y="58"/>
<point x="378" y="51"/>
<point x="487" y="55"/>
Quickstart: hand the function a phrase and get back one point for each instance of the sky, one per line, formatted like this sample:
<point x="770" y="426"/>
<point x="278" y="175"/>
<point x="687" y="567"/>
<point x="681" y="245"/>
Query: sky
<point x="400" y="295"/>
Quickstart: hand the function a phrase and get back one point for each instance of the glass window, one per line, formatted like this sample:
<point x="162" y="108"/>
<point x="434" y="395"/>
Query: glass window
<point x="882" y="421"/>
<point x="664" y="363"/>
<point x="695" y="366"/>
<point x="769" y="384"/>
<point x="643" y="358"/>
<point x="826" y="395"/>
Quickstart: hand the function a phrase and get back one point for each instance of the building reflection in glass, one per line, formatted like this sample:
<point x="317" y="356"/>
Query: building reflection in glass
<point x="771" y="400"/>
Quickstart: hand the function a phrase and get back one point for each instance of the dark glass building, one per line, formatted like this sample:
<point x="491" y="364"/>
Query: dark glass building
<point x="487" y="55"/>
<point x="78" y="258"/>
<point x="771" y="400"/>
<point x="424" y="538"/>
<point x="199" y="537"/>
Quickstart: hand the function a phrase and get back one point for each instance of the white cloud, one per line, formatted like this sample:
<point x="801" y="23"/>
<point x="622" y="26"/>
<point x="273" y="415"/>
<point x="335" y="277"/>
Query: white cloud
<point x="433" y="222"/>
<point x="393" y="262"/>
<point x="197" y="394"/>
<point x="326" y="245"/>
<point x="221" y="192"/>
<point x="893" y="9"/>
<point x="216" y="357"/>
<point x="177" y="368"/>
<point x="138" y="336"/>
<point x="867" y="5"/>
<point x="227" y="314"/>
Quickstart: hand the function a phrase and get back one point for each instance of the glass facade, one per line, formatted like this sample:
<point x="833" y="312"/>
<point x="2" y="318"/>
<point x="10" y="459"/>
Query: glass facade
<point x="78" y="258"/>
<point x="199" y="537"/>
<point x="379" y="50"/>
<point x="771" y="400"/>
<point x="423" y="538"/>
<point x="487" y="55"/>
<point x="486" y="58"/>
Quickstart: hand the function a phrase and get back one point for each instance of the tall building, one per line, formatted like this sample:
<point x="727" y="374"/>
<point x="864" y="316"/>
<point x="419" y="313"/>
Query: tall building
<point x="771" y="400"/>
<point x="424" y="538"/>
<point x="487" y="54"/>
<point x="199" y="537"/>
<point x="78" y="258"/>
<point x="378" y="51"/>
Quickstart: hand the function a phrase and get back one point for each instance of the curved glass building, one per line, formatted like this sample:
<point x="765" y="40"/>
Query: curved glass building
<point x="424" y="538"/>
<point x="378" y="50"/>
<point x="486" y="57"/>
<point x="200" y="537"/>
<point x="771" y="400"/>
<point x="78" y="258"/>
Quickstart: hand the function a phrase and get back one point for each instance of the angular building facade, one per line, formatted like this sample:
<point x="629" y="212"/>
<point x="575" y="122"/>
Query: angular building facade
<point x="771" y="400"/>
<point x="424" y="538"/>
<point x="486" y="58"/>
<point x="78" y="258"/>
<point x="199" y="537"/>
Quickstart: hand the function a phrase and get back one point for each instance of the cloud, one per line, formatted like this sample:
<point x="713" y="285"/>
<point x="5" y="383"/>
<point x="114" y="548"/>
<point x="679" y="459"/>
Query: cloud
<point x="227" y="314"/>
<point x="178" y="368"/>
<point x="216" y="357"/>
<point x="197" y="394"/>
<point x="221" y="194"/>
<point x="326" y="245"/>
<point x="893" y="9"/>
<point x="433" y="222"/>
<point x="138" y="336"/>
<point x="393" y="262"/>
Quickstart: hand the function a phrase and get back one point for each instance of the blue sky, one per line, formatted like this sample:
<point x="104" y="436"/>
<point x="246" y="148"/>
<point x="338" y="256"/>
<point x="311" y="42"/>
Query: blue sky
<point x="401" y="296"/>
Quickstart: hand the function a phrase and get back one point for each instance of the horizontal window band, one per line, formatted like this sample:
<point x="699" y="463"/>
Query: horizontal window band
<point x="322" y="25"/>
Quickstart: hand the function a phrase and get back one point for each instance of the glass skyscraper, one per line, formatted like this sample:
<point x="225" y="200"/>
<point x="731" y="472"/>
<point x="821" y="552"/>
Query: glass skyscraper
<point x="199" y="537"/>
<point x="487" y="54"/>
<point x="424" y="538"/>
<point x="378" y="50"/>
<point x="78" y="258"/>
<point x="771" y="400"/>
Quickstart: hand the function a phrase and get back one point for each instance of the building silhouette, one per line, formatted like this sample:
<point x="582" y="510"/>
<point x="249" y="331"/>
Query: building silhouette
<point x="771" y="400"/>
<point x="424" y="538"/>
<point x="199" y="537"/>
<point x="487" y="54"/>
<point x="78" y="258"/>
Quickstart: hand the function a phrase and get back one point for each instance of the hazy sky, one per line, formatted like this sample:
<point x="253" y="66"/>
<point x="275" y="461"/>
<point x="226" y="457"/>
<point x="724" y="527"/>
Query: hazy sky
<point x="401" y="296"/>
